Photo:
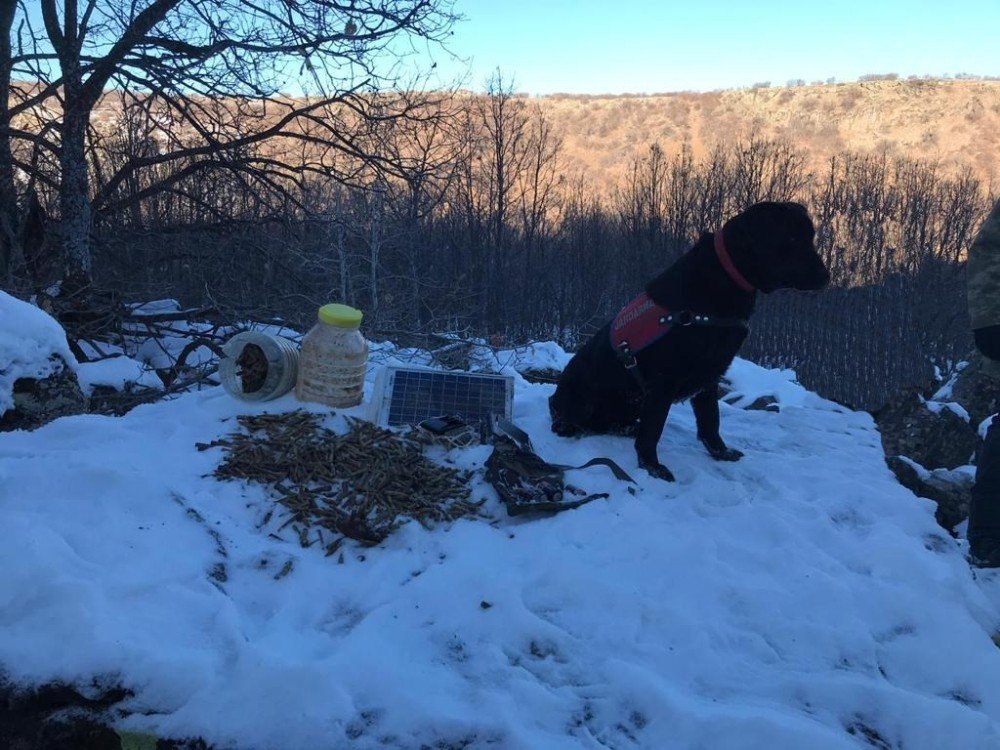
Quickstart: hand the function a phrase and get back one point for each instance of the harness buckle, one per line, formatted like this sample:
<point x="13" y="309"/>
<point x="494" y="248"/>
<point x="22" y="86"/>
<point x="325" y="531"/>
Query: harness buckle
<point x="627" y="357"/>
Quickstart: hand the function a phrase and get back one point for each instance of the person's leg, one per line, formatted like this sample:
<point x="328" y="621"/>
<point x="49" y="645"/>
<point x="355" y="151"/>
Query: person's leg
<point x="984" y="512"/>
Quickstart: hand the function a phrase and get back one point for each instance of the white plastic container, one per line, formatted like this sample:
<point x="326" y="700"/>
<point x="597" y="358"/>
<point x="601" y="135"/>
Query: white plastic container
<point x="333" y="359"/>
<point x="277" y="354"/>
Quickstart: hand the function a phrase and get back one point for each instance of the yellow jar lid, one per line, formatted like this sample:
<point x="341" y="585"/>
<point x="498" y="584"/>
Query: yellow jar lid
<point x="342" y="316"/>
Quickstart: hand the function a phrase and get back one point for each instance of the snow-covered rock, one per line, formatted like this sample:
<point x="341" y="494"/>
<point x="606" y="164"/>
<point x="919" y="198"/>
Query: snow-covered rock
<point x="976" y="393"/>
<point x="951" y="489"/>
<point x="798" y="598"/>
<point x="930" y="442"/>
<point x="37" y="370"/>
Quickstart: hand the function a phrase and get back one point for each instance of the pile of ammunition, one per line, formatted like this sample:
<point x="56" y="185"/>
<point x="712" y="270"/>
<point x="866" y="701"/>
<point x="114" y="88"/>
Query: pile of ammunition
<point x="361" y="485"/>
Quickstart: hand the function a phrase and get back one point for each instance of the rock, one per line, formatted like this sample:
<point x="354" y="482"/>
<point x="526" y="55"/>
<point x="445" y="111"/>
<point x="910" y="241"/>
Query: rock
<point x="764" y="403"/>
<point x="725" y="388"/>
<point x="540" y="375"/>
<point x="103" y="399"/>
<point x="38" y="380"/>
<point x="40" y="400"/>
<point x="977" y="392"/>
<point x="78" y="733"/>
<point x="906" y="473"/>
<point x="940" y="440"/>
<point x="55" y="717"/>
<point x="951" y="490"/>
<point x="728" y="394"/>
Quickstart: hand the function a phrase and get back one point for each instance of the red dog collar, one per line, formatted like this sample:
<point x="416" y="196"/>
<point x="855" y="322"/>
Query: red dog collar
<point x="730" y="267"/>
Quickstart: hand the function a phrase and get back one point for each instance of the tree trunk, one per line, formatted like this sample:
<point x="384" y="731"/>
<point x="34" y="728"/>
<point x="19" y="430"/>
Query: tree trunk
<point x="8" y="193"/>
<point x="345" y="287"/>
<point x="375" y="247"/>
<point x="74" y="200"/>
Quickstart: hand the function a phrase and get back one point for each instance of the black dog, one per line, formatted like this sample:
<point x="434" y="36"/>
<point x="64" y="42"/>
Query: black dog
<point x="678" y="339"/>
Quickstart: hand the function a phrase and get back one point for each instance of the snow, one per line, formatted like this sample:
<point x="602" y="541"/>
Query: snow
<point x="750" y="382"/>
<point x="959" y="475"/>
<point x="386" y="353"/>
<point x="943" y="397"/>
<point x="798" y="598"/>
<point x="946" y="391"/>
<point x="117" y="373"/>
<point x="155" y="307"/>
<point x="163" y="350"/>
<point x="953" y="406"/>
<point x="985" y="425"/>
<point x="542" y="355"/>
<point x="923" y="473"/>
<point x="30" y="342"/>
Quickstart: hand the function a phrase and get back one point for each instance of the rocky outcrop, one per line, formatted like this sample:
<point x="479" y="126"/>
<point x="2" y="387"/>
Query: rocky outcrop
<point x="930" y="439"/>
<point x="37" y="369"/>
<point x="951" y="490"/>
<point x="978" y="393"/>
<point x="935" y="438"/>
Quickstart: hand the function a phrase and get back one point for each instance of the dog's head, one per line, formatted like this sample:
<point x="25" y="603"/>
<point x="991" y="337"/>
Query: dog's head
<point x="772" y="246"/>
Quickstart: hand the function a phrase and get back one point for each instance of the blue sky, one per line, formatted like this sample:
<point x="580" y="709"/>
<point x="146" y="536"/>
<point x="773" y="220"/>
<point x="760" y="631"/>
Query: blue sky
<point x="598" y="46"/>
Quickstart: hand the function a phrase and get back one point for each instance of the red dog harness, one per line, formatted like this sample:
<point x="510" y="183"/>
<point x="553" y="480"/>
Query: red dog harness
<point x="642" y="322"/>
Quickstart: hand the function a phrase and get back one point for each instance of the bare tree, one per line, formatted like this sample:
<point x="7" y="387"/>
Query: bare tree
<point x="505" y="122"/>
<point x="270" y="90"/>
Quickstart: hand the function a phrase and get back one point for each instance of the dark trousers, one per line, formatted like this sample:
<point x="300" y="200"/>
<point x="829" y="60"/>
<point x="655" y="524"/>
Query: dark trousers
<point x="984" y="513"/>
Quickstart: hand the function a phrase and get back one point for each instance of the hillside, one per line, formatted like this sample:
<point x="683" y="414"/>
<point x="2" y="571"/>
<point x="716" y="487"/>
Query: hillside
<point x="954" y="121"/>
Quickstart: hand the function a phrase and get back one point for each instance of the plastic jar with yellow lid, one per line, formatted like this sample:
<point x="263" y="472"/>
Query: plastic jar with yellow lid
<point x="333" y="359"/>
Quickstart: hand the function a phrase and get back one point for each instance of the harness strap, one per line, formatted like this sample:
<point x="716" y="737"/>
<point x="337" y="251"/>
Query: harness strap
<point x="620" y="474"/>
<point x="688" y="318"/>
<point x="507" y="428"/>
<point x="642" y="323"/>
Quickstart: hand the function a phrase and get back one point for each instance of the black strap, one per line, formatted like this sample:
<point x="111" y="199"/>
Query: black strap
<point x="685" y="318"/>
<point x="631" y="365"/>
<point x="520" y="437"/>
<point x="517" y="509"/>
<point x="620" y="473"/>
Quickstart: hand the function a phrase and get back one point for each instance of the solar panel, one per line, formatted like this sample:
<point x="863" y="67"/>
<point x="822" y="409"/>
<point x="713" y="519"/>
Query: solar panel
<point x="406" y="396"/>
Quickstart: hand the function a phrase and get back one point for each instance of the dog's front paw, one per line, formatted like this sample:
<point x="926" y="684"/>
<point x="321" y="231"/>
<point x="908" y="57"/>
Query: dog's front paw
<point x="657" y="470"/>
<point x="727" y="454"/>
<point x="720" y="452"/>
<point x="565" y="429"/>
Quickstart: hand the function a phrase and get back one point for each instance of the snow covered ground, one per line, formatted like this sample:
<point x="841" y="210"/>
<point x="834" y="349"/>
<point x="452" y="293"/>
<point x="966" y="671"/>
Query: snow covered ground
<point x="800" y="598"/>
